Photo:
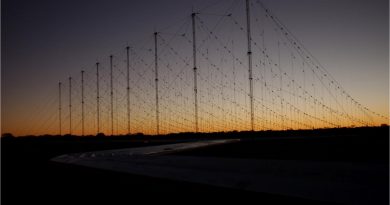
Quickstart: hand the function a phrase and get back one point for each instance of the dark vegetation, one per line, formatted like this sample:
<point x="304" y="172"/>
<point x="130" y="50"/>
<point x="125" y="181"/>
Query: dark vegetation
<point x="29" y="177"/>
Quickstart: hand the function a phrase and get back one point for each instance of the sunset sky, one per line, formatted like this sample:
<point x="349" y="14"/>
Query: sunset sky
<point x="46" y="41"/>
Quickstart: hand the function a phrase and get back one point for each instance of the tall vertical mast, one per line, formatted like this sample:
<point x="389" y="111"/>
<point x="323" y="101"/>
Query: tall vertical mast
<point x="112" y="98"/>
<point x="59" y="107"/>
<point x="70" y="105"/>
<point x="248" y="23"/>
<point x="82" y="103"/>
<point x="97" y="98"/>
<point x="156" y="80"/>
<point x="128" y="89"/>
<point x="195" y="74"/>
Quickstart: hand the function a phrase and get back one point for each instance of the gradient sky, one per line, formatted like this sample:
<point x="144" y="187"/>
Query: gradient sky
<point x="45" y="41"/>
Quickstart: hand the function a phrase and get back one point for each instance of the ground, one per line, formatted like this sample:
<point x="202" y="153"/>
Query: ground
<point x="29" y="177"/>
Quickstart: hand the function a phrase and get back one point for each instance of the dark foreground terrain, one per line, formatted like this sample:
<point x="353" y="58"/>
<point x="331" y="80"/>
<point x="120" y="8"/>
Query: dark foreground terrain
<point x="27" y="175"/>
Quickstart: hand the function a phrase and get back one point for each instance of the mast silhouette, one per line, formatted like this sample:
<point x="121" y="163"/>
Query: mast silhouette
<point x="156" y="81"/>
<point x="59" y="107"/>
<point x="97" y="98"/>
<point x="128" y="89"/>
<point x="248" y="24"/>
<point x="112" y="97"/>
<point x="70" y="105"/>
<point x="195" y="71"/>
<point x="82" y="103"/>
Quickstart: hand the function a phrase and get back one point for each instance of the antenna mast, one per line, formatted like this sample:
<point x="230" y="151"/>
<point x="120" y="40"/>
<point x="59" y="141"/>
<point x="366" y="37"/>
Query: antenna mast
<point x="97" y="98"/>
<point x="112" y="98"/>
<point x="59" y="106"/>
<point x="82" y="103"/>
<point x="128" y="89"/>
<point x="156" y="80"/>
<point x="195" y="73"/>
<point x="250" y="61"/>
<point x="70" y="105"/>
